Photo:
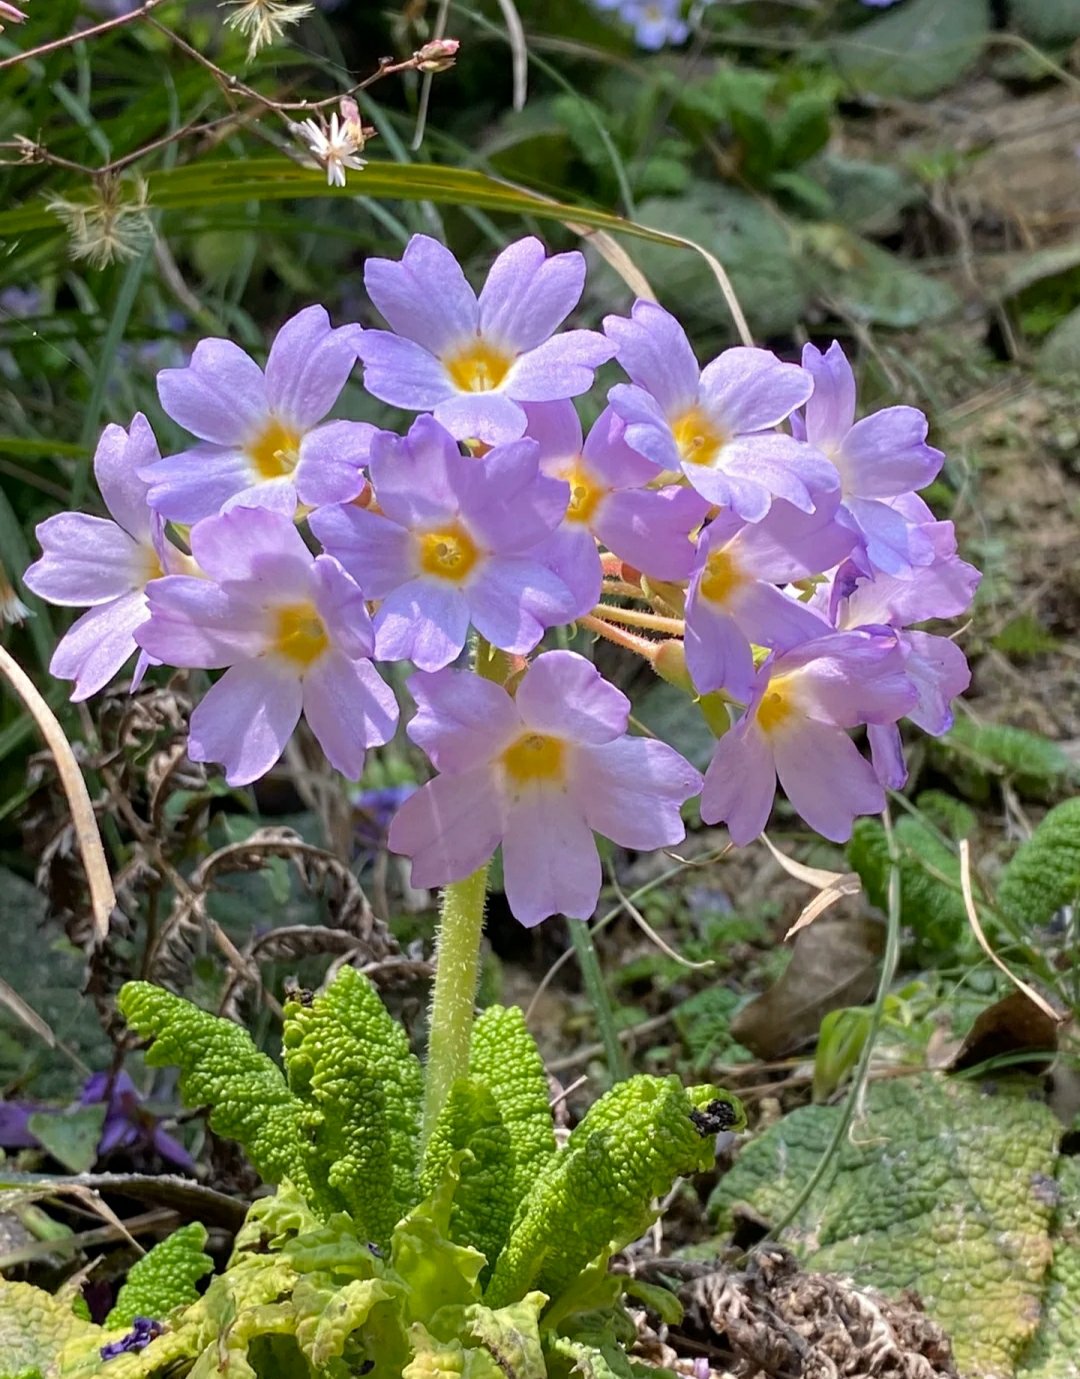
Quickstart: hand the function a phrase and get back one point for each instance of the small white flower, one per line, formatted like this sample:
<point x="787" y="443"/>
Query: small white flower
<point x="263" y="21"/>
<point x="336" y="147"/>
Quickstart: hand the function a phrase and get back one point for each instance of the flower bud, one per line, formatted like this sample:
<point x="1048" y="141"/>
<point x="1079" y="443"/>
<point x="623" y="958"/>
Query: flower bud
<point x="351" y="123"/>
<point x="437" y="56"/>
<point x="669" y="662"/>
<point x="11" y="14"/>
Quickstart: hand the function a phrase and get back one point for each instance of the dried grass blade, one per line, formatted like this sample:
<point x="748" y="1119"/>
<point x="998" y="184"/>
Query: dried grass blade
<point x="102" y="895"/>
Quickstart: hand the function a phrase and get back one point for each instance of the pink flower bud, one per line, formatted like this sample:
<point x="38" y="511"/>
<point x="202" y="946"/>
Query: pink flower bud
<point x="14" y="16"/>
<point x="437" y="56"/>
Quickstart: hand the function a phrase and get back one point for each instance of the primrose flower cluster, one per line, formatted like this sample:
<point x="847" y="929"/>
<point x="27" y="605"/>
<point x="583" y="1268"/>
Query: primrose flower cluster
<point x="735" y="525"/>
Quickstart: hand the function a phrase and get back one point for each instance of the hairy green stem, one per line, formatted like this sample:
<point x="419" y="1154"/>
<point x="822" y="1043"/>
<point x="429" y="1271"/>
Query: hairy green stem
<point x="581" y="937"/>
<point x="457" y="955"/>
<point x="457" y="971"/>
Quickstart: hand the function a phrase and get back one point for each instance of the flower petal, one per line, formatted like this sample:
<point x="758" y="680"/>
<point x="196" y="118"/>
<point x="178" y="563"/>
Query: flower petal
<point x="219" y="397"/>
<point x="750" y="389"/>
<point x="556" y="428"/>
<point x="449" y="827"/>
<point x="527" y="295"/>
<point x="559" y="368"/>
<point x="825" y="777"/>
<point x="653" y="349"/>
<point x="506" y="502"/>
<point x="198" y="482"/>
<point x="87" y="560"/>
<point x="342" y="608"/>
<point x="195" y="623"/>
<point x="424" y="621"/>
<point x="411" y="474"/>
<point x="632" y="791"/>
<point x="489" y="417"/>
<point x="940" y="672"/>
<point x="650" y="529"/>
<point x="830" y="411"/>
<point x="308" y="366"/>
<point x="255" y="547"/>
<point x="886" y="454"/>
<point x="571" y="555"/>
<point x="401" y="372"/>
<point x="98" y="644"/>
<point x="887" y="755"/>
<point x="773" y="464"/>
<point x="424" y="297"/>
<point x="550" y="862"/>
<point x="718" y="653"/>
<point x="564" y="695"/>
<point x="349" y="708"/>
<point x="893" y="544"/>
<point x="790" y="544"/>
<point x="740" y="784"/>
<point x="376" y="552"/>
<point x="513" y="600"/>
<point x="119" y="457"/>
<point x="461" y="718"/>
<point x="246" y="719"/>
<point x="332" y="460"/>
<point x="609" y="456"/>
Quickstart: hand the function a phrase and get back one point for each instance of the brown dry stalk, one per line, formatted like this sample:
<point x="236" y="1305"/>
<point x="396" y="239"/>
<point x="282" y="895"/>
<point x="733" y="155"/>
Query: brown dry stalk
<point x="102" y="895"/>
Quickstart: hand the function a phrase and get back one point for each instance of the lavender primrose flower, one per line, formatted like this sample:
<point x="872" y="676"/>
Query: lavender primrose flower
<point x="474" y="361"/>
<point x="795" y="726"/>
<point x="655" y="22"/>
<point x="610" y="503"/>
<point x="106" y="565"/>
<point x="261" y="442"/>
<point x="879" y="459"/>
<point x="538" y="773"/>
<point x="295" y="634"/>
<point x="453" y="543"/>
<point x="936" y="666"/>
<point x="715" y="424"/>
<point x="734" y="600"/>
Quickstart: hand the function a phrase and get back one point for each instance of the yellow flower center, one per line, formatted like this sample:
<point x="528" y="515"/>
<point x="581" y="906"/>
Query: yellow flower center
<point x="478" y="368"/>
<point x="151" y="563"/>
<point x="721" y="577"/>
<point x="585" y="494"/>
<point x="696" y="436"/>
<point x="778" y="705"/>
<point x="299" y="634"/>
<point x="535" y="757"/>
<point x="449" y="554"/>
<point x="275" y="450"/>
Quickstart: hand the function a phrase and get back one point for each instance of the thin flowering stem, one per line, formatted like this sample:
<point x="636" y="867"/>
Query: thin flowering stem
<point x="43" y="49"/>
<point x="640" y="646"/>
<point x="585" y="951"/>
<point x="632" y="617"/>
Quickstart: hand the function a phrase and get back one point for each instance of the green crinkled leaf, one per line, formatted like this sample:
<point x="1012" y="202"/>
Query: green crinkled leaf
<point x="1055" y="1351"/>
<point x="941" y="1188"/>
<point x="39" y="1332"/>
<point x="976" y="752"/>
<point x="931" y="901"/>
<point x="345" y="1054"/>
<point x="437" y="1271"/>
<point x="567" y="1357"/>
<point x="221" y="1068"/>
<point x="1044" y="874"/>
<point x="511" y="1335"/>
<point x="597" y="1192"/>
<point x="914" y="51"/>
<point x="165" y="1278"/>
<point x="486" y="1196"/>
<point x="327" y="1317"/>
<point x="504" y="1057"/>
